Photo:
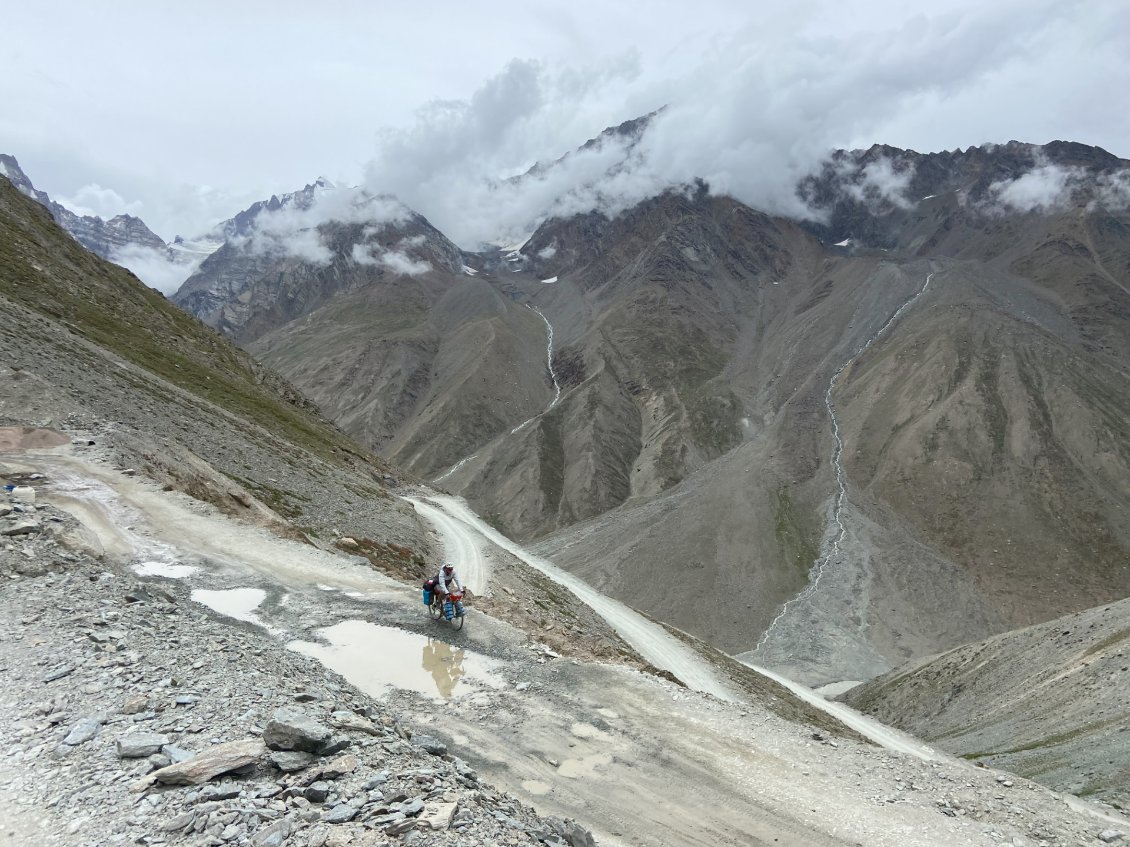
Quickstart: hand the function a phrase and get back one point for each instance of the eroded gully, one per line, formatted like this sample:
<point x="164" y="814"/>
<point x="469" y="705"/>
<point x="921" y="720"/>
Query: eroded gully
<point x="836" y="531"/>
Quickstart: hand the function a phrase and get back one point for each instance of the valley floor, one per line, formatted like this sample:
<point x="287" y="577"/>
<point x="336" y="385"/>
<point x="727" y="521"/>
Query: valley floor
<point x="95" y="648"/>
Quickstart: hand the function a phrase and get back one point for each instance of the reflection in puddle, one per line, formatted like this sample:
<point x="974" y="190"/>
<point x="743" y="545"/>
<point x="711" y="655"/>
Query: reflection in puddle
<point x="444" y="663"/>
<point x="238" y="603"/>
<point x="164" y="569"/>
<point x="378" y="658"/>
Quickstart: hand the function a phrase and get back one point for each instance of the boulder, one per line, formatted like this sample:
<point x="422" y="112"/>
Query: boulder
<point x="341" y="813"/>
<point x="23" y="494"/>
<point x="439" y="816"/>
<point x="138" y="745"/>
<point x="293" y="729"/>
<point x="289" y="761"/>
<point x="339" y="767"/>
<point x="177" y="754"/>
<point x="354" y="723"/>
<point x="430" y="744"/>
<point x="318" y="792"/>
<point x="272" y="836"/>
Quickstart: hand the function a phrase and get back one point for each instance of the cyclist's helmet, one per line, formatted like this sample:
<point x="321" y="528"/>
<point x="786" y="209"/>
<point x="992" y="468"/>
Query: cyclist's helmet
<point x="449" y="568"/>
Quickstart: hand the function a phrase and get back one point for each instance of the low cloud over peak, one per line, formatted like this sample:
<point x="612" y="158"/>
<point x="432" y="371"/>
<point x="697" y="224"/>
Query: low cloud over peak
<point x="751" y="118"/>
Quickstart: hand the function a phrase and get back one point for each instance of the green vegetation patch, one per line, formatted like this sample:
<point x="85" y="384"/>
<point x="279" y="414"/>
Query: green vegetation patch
<point x="395" y="560"/>
<point x="796" y="533"/>
<point x="551" y="459"/>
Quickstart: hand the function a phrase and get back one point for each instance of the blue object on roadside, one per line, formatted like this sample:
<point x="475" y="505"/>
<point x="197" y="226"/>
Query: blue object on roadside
<point x="9" y="488"/>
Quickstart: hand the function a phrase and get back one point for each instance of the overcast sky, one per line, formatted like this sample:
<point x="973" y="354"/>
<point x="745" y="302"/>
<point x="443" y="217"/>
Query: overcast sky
<point x="186" y="117"/>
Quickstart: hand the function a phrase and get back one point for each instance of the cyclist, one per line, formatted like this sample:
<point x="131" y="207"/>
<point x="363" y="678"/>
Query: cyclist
<point x="444" y="583"/>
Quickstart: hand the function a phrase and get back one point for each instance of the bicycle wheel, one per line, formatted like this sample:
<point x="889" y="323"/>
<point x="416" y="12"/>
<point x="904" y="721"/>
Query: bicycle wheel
<point x="435" y="610"/>
<point x="457" y="622"/>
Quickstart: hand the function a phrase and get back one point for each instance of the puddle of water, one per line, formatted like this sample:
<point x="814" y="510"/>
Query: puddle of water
<point x="378" y="658"/>
<point x="238" y="603"/>
<point x="536" y="787"/>
<point x="164" y="569"/>
<point x="580" y="768"/>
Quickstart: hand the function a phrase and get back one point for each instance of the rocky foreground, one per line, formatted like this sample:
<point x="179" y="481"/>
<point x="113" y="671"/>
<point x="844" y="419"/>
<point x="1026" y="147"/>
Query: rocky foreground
<point x="134" y="717"/>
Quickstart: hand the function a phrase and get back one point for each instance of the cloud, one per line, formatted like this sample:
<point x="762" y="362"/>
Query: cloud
<point x="881" y="181"/>
<point x="154" y="267"/>
<point x="1050" y="187"/>
<point x="92" y="200"/>
<point x="396" y="260"/>
<point x="402" y="263"/>
<point x="1113" y="191"/>
<point x="751" y="116"/>
<point x="1044" y="187"/>
<point x="292" y="230"/>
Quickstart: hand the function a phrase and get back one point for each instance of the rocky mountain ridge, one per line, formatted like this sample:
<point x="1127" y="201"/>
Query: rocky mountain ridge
<point x="104" y="238"/>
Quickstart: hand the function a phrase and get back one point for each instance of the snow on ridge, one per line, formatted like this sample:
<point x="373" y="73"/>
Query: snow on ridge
<point x="845" y="243"/>
<point x="467" y="269"/>
<point x="550" y="280"/>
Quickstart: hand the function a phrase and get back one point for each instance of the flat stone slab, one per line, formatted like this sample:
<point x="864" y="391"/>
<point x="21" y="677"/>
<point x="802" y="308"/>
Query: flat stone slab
<point x="83" y="731"/>
<point x="206" y="765"/>
<point x="25" y="526"/>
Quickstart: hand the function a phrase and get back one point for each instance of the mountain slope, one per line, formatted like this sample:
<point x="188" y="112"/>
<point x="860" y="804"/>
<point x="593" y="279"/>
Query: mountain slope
<point x="1047" y="702"/>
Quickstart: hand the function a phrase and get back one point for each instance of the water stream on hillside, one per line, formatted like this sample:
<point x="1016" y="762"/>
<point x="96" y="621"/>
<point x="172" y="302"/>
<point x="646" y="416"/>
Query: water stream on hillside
<point x="556" y="394"/>
<point x="836" y="528"/>
<point x="549" y="367"/>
